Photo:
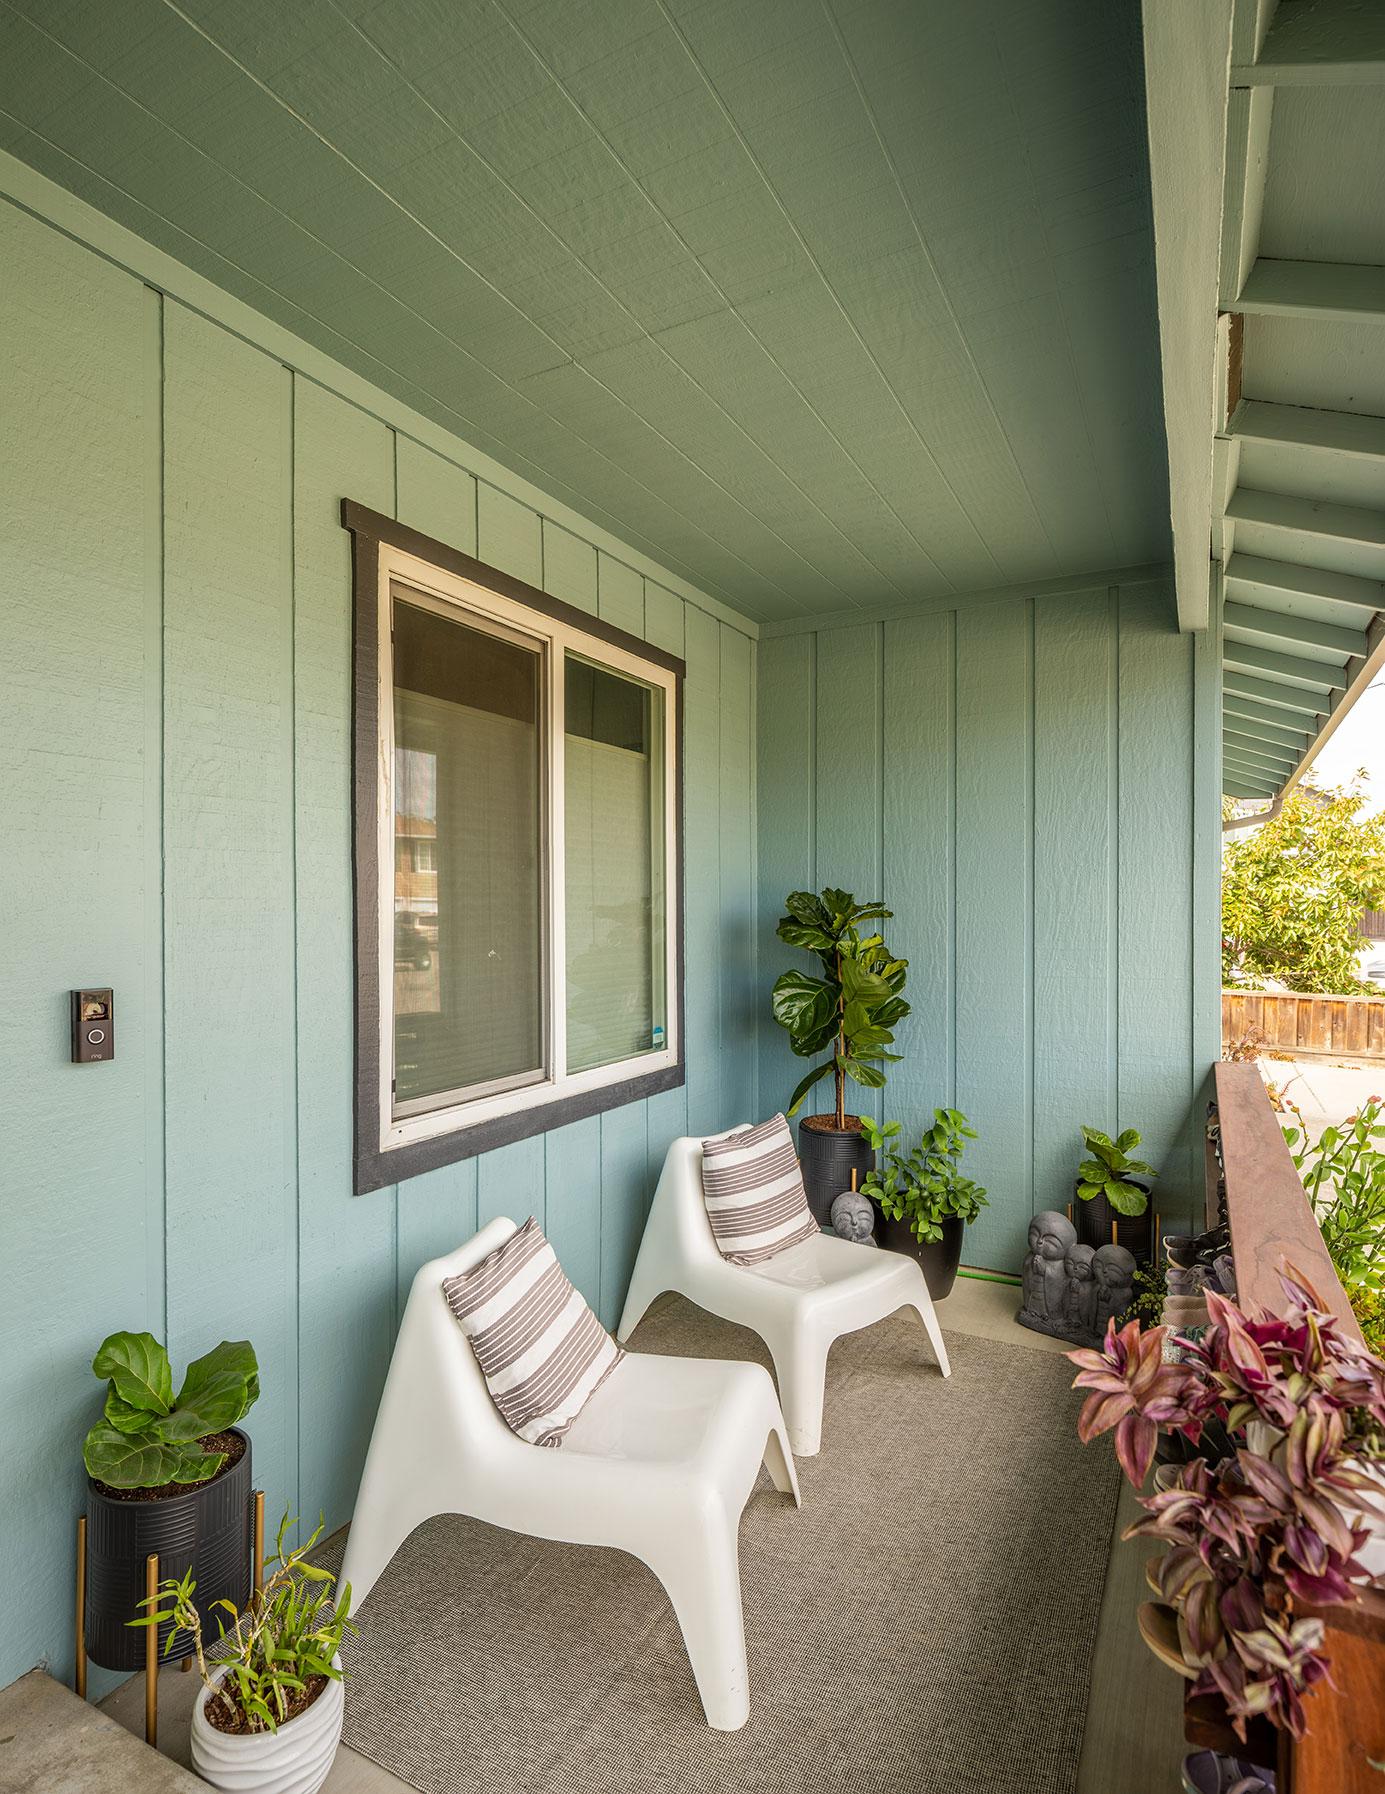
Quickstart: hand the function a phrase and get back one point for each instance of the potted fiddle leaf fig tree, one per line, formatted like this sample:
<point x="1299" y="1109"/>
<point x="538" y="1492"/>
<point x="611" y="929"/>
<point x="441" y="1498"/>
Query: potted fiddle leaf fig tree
<point x="843" y="1016"/>
<point x="169" y="1474"/>
<point x="925" y="1200"/>
<point x="1113" y="1193"/>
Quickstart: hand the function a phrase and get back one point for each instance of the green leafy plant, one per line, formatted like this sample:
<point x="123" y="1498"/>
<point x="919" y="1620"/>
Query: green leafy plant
<point x="848" y="1012"/>
<point x="1343" y="1172"/>
<point x="149" y="1437"/>
<point x="1369" y="1308"/>
<point x="925" y="1187"/>
<point x="878" y="1134"/>
<point x="1293" y="891"/>
<point x="1147" y="1298"/>
<point x="281" y="1646"/>
<point x="1108" y="1169"/>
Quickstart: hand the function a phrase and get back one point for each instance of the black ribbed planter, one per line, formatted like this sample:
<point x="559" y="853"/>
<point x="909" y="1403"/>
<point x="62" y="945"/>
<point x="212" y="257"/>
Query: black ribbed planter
<point x="827" y="1158"/>
<point x="1094" y="1221"/>
<point x="208" y="1529"/>
<point x="938" y="1258"/>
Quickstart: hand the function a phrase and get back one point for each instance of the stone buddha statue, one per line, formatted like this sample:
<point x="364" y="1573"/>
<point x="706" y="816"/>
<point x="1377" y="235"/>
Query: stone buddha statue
<point x="1045" y="1277"/>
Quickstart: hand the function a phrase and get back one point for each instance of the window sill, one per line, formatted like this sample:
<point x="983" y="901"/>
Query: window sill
<point x="376" y="1169"/>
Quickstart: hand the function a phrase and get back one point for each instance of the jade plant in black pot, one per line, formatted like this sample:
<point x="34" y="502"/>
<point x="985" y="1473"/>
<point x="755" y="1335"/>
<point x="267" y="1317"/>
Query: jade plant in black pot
<point x="925" y="1201"/>
<point x="1113" y="1193"/>
<point x="166" y="1474"/>
<point x="844" y="1017"/>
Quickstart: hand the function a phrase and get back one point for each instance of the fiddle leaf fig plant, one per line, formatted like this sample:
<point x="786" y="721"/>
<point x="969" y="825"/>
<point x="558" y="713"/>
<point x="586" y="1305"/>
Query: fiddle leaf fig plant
<point x="848" y="1012"/>
<point x="1108" y="1170"/>
<point x="147" y="1436"/>
<point x="925" y="1187"/>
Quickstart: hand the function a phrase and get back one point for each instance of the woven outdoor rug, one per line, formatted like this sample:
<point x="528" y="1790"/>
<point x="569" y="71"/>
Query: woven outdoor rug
<point x="924" y="1623"/>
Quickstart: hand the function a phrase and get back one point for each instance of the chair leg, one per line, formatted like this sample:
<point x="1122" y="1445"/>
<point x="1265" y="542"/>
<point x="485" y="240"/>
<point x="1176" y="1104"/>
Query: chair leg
<point x="383" y="1519"/>
<point x="644" y="1287"/>
<point x="704" y="1586"/>
<point x="800" y="1369"/>
<point x="779" y="1462"/>
<point x="929" y="1316"/>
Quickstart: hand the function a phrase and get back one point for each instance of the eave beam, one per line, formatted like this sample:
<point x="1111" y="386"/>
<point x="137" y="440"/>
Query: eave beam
<point x="1312" y="524"/>
<point x="1249" y="718"/>
<point x="1302" y="632"/>
<point x="1363" y="673"/>
<point x="1250" y="769"/>
<point x="1319" y="674"/>
<point x="1254" y="754"/>
<point x="1354" y="600"/>
<point x="1349" y="433"/>
<point x="1339" y="42"/>
<point x="1242" y="741"/>
<point x="1327" y="290"/>
<point x="1246" y="784"/>
<point x="1290" y="702"/>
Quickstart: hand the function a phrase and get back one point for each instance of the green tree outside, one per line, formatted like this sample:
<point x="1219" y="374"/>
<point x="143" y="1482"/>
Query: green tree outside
<point x="1293" y="892"/>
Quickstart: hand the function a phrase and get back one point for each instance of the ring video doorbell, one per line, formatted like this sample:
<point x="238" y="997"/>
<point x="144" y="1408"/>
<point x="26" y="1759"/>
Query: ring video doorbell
<point x="93" y="1026"/>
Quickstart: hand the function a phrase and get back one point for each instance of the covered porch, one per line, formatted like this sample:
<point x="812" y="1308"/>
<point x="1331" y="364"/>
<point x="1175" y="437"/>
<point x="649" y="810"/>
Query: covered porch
<point x="788" y="433"/>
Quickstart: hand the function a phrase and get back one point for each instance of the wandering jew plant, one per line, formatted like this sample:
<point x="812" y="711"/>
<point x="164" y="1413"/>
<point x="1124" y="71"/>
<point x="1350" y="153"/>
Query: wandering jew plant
<point x="1279" y="1523"/>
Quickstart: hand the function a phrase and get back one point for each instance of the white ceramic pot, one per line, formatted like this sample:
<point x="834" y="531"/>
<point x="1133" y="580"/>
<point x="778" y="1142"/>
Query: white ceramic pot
<point x="293" y="1760"/>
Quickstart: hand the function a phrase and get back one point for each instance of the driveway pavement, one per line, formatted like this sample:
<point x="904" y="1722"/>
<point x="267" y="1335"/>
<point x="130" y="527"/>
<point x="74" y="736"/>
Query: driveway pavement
<point x="1326" y="1093"/>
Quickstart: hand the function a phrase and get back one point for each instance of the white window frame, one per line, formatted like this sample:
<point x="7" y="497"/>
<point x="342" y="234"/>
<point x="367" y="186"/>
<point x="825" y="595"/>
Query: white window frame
<point x="451" y="594"/>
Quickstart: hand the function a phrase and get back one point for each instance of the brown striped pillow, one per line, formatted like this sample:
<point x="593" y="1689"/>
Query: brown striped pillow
<point x="541" y="1350"/>
<point x="753" y="1190"/>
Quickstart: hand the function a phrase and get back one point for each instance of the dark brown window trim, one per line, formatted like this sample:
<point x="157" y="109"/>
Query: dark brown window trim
<point x="375" y="1169"/>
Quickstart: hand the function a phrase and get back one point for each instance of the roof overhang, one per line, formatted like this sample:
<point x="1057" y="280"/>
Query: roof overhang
<point x="1273" y="359"/>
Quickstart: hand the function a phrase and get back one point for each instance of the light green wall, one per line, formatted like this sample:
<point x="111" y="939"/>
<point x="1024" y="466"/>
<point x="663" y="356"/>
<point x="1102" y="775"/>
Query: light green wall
<point x="176" y="678"/>
<point x="1017" y="779"/>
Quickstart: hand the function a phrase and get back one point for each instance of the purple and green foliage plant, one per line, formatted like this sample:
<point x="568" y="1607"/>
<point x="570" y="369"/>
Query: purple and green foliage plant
<point x="1277" y="1527"/>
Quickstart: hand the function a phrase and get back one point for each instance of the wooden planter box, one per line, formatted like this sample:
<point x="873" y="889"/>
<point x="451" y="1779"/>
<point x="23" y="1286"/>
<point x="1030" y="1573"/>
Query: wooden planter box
<point x="1272" y="1225"/>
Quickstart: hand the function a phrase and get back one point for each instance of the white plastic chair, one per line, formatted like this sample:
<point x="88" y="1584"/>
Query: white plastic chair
<point x="798" y="1302"/>
<point x="660" y="1463"/>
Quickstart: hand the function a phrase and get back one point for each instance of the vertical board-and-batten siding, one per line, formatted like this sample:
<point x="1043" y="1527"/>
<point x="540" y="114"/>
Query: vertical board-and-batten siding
<point x="1016" y="780"/>
<point x="177" y="693"/>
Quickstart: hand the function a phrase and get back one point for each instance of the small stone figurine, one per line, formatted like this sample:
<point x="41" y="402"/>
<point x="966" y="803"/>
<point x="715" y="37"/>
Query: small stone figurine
<point x="1113" y="1269"/>
<point x="1070" y="1290"/>
<point x="1080" y="1297"/>
<point x="853" y="1217"/>
<point x="1045" y="1274"/>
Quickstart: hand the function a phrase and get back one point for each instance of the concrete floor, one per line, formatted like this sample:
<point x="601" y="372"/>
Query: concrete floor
<point x="1133" y="1742"/>
<point x="53" y="1743"/>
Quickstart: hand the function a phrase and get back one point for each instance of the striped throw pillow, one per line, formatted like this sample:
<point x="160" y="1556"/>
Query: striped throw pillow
<point x="753" y="1190"/>
<point x="541" y="1350"/>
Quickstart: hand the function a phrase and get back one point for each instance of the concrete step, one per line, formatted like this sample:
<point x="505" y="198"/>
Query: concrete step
<point x="53" y="1743"/>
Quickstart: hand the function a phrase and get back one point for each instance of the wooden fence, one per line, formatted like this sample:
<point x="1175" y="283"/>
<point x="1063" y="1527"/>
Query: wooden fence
<point x="1309" y="1027"/>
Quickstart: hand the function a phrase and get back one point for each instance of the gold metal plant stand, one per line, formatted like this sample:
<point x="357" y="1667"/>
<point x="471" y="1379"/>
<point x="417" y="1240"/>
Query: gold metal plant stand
<point x="258" y="1500"/>
<point x="79" y="1675"/>
<point x="151" y="1652"/>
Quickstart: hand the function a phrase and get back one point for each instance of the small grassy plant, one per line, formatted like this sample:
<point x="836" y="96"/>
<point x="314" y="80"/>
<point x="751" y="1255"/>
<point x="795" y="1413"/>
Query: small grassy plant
<point x="277" y="1654"/>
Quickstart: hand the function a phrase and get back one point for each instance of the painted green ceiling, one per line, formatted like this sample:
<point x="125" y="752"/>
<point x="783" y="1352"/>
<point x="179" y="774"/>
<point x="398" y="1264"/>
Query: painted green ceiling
<point x="821" y="302"/>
